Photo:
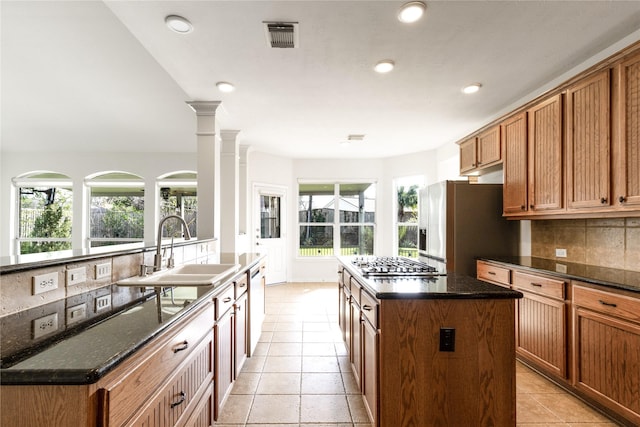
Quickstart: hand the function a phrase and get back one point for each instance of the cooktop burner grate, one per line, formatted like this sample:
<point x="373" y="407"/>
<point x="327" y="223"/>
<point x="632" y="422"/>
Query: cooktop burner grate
<point x="393" y="266"/>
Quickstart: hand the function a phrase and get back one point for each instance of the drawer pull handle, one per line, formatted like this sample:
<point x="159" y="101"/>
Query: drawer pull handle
<point x="366" y="307"/>
<point x="493" y="273"/>
<point x="242" y="285"/>
<point x="536" y="284"/>
<point x="183" y="346"/>
<point x="183" y="397"/>
<point x="227" y="299"/>
<point x="609" y="304"/>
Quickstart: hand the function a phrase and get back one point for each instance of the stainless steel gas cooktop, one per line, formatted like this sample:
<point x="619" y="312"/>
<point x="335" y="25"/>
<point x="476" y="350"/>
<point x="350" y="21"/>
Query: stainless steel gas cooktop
<point x="374" y="266"/>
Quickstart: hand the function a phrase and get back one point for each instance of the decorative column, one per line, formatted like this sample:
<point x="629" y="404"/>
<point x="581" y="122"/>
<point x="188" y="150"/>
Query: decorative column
<point x="208" y="169"/>
<point x="244" y="205"/>
<point x="229" y="175"/>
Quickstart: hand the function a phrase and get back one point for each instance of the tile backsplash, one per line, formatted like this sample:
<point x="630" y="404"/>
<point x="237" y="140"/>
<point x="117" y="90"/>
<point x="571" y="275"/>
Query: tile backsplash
<point x="608" y="242"/>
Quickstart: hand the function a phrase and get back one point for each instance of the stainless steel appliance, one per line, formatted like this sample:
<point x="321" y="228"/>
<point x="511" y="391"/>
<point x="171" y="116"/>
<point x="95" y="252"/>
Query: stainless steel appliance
<point x="375" y="266"/>
<point x="459" y="221"/>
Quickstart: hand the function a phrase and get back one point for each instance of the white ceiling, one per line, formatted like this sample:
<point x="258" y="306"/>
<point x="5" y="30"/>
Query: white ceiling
<point x="109" y="76"/>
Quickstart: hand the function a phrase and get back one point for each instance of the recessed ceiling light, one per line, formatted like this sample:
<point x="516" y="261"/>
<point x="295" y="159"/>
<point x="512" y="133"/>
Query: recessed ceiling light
<point x="178" y="24"/>
<point x="473" y="88"/>
<point x="225" y="87"/>
<point x="384" y="66"/>
<point x="411" y="12"/>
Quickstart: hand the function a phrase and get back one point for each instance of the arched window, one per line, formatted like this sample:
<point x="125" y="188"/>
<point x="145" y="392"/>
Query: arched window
<point x="44" y="206"/>
<point x="179" y="196"/>
<point x="116" y="205"/>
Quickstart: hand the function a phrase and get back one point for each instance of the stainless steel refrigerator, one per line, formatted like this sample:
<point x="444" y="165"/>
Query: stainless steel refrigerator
<point x="459" y="221"/>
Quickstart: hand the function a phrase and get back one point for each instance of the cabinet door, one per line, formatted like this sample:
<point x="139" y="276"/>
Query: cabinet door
<point x="356" y="344"/>
<point x="541" y="332"/>
<point x="545" y="155"/>
<point x="588" y="143"/>
<point x="607" y="361"/>
<point x="370" y="369"/>
<point x="240" y="337"/>
<point x="515" y="198"/>
<point x="489" y="147"/>
<point x="628" y="171"/>
<point x="343" y="308"/>
<point x="223" y="331"/>
<point x="468" y="160"/>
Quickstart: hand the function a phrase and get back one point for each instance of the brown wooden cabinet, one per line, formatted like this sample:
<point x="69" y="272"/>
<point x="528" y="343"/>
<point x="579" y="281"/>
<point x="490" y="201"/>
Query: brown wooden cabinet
<point x="627" y="184"/>
<point x="493" y="274"/>
<point x="588" y="143"/>
<point x="468" y="156"/>
<point x="224" y="348"/>
<point x="370" y="381"/>
<point x="545" y="177"/>
<point x="541" y="322"/>
<point x="607" y="348"/>
<point x="480" y="152"/>
<point x="356" y="339"/>
<point x="241" y="318"/>
<point x="515" y="197"/>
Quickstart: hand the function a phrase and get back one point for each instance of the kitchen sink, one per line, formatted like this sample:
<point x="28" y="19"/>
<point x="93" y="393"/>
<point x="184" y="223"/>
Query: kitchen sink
<point x="184" y="275"/>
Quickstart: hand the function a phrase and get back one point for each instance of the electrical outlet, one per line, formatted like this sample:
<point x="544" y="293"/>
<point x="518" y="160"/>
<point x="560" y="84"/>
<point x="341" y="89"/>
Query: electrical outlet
<point x="45" y="283"/>
<point x="76" y="313"/>
<point x="447" y="339"/>
<point x="75" y="276"/>
<point x="45" y="325"/>
<point x="561" y="253"/>
<point x="103" y="270"/>
<point x="103" y="303"/>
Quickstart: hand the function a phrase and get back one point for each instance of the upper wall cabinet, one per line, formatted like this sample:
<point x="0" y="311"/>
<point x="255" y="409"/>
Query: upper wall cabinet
<point x="545" y="155"/>
<point x="588" y="143"/>
<point x="627" y="190"/>
<point x="514" y="141"/>
<point x="481" y="152"/>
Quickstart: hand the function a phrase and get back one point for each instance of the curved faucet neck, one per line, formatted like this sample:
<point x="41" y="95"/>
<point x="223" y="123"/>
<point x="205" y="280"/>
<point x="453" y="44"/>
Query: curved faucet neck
<point x="187" y="236"/>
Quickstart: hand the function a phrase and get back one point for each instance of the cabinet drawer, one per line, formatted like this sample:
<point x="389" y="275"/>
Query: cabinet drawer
<point x="370" y="308"/>
<point x="180" y="394"/>
<point x="493" y="273"/>
<point x="553" y="288"/>
<point x="355" y="290"/>
<point x="224" y="301"/>
<point x="622" y="306"/>
<point x="240" y="286"/>
<point x="134" y="382"/>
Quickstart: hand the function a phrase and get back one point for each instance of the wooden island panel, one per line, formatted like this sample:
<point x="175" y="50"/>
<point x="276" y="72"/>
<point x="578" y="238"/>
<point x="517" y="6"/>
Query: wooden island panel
<point x="422" y="386"/>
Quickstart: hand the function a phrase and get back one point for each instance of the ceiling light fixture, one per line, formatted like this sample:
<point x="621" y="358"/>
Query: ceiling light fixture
<point x="473" y="88"/>
<point x="411" y="12"/>
<point x="384" y="66"/>
<point x="178" y="24"/>
<point x="225" y="87"/>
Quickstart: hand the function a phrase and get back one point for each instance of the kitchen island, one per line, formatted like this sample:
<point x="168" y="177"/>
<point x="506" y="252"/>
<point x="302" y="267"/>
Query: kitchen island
<point x="430" y="350"/>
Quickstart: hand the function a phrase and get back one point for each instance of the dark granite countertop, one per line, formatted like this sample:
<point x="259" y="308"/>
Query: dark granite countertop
<point x="87" y="356"/>
<point x="610" y="277"/>
<point x="451" y="286"/>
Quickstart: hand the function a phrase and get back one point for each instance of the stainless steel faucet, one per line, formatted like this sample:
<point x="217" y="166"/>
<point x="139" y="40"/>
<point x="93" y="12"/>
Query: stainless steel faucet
<point x="157" y="260"/>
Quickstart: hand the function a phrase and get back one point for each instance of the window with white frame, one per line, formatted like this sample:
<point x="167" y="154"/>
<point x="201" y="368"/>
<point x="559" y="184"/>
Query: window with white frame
<point x="116" y="209"/>
<point x="406" y="215"/>
<point x="179" y="196"/>
<point x="336" y="218"/>
<point x="44" y="207"/>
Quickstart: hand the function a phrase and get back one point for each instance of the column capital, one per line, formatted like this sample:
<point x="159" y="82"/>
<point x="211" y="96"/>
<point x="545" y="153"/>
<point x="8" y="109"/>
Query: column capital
<point x="228" y="135"/>
<point x="204" y="108"/>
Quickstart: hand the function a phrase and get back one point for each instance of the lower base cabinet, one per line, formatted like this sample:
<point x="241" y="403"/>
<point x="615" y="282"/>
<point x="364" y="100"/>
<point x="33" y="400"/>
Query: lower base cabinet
<point x="224" y="374"/>
<point x="607" y="349"/>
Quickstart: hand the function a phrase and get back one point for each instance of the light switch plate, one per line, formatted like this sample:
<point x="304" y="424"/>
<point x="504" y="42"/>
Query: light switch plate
<point x="103" y="270"/>
<point x="45" y="283"/>
<point x="75" y="276"/>
<point x="561" y="253"/>
<point x="76" y="313"/>
<point x="45" y="325"/>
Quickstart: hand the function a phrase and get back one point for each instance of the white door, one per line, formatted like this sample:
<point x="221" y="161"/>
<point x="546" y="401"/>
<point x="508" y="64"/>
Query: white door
<point x="269" y="227"/>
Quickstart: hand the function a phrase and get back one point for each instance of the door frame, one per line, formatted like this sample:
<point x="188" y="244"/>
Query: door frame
<point x="258" y="189"/>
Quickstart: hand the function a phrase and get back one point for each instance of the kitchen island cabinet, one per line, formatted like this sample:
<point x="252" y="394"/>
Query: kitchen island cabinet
<point x="413" y="371"/>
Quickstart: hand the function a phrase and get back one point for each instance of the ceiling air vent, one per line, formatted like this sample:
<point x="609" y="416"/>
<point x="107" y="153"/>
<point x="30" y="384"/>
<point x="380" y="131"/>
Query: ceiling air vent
<point x="281" y="34"/>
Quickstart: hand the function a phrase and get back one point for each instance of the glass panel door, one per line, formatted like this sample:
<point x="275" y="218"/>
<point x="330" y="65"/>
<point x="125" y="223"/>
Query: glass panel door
<point x="269" y="217"/>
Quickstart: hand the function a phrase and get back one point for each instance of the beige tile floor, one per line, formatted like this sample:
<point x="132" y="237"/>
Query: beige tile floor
<point x="300" y="375"/>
